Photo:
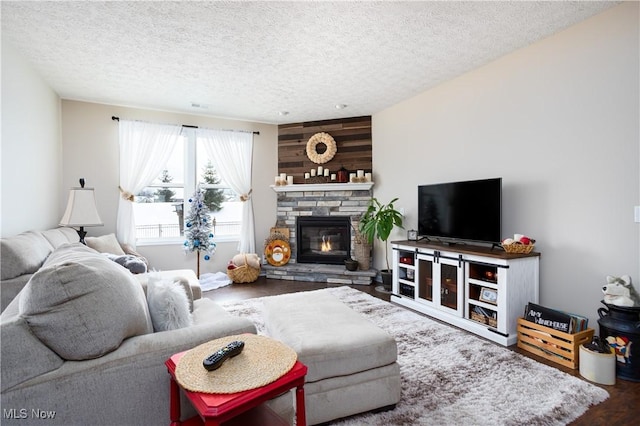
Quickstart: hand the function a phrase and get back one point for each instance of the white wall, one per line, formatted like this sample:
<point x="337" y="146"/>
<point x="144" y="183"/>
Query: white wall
<point x="31" y="149"/>
<point x="90" y="140"/>
<point x="559" y="122"/>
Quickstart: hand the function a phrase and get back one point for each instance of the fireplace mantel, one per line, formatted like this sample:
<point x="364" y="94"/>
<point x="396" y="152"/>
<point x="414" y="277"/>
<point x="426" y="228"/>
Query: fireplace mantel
<point x="365" y="186"/>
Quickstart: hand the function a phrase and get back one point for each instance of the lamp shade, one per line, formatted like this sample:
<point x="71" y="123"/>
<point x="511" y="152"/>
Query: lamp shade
<point x="81" y="209"/>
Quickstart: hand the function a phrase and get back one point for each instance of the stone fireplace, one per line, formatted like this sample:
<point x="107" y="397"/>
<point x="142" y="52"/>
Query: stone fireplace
<point x="335" y="203"/>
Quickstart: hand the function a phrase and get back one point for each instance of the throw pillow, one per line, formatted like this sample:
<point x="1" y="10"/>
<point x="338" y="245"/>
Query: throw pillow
<point x="131" y="262"/>
<point x="105" y="244"/>
<point x="82" y="305"/>
<point x="168" y="304"/>
<point x="187" y="290"/>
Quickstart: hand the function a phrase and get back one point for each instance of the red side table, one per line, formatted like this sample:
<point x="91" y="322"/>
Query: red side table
<point x="242" y="408"/>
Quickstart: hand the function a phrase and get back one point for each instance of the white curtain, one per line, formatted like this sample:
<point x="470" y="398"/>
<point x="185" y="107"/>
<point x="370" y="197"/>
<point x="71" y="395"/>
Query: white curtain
<point x="231" y="153"/>
<point x="145" y="149"/>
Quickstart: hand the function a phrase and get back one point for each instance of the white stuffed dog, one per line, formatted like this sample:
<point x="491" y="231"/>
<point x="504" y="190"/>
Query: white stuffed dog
<point x="620" y="292"/>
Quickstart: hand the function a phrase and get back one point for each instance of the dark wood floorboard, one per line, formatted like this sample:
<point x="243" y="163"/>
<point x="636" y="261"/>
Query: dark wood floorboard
<point x="621" y="408"/>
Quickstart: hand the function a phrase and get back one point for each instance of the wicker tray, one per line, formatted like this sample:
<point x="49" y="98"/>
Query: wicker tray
<point x="518" y="248"/>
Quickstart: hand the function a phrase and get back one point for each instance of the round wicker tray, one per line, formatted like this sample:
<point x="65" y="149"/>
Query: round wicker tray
<point x="262" y="361"/>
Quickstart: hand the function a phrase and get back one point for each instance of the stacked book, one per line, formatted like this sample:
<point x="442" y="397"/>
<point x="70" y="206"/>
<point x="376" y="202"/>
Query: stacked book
<point x="555" y="319"/>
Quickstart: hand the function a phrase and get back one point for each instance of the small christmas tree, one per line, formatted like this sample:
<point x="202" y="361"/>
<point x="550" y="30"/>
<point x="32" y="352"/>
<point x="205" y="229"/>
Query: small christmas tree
<point x="198" y="228"/>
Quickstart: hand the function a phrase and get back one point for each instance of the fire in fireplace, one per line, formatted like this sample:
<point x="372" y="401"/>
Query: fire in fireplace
<point x="323" y="239"/>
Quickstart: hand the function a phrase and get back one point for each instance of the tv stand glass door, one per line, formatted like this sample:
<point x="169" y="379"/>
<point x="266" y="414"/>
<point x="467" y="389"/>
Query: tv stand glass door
<point x="441" y="282"/>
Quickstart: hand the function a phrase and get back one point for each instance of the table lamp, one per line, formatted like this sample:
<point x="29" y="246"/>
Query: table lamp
<point x="81" y="210"/>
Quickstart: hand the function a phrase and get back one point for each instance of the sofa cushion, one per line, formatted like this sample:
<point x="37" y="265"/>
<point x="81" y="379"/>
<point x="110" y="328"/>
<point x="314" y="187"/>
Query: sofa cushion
<point x="23" y="355"/>
<point x="60" y="236"/>
<point x="105" y="244"/>
<point x="168" y="304"/>
<point x="23" y="254"/>
<point x="82" y="305"/>
<point x="11" y="288"/>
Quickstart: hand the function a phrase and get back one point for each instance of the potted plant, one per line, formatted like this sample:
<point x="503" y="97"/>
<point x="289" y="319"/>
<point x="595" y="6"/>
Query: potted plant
<point x="377" y="222"/>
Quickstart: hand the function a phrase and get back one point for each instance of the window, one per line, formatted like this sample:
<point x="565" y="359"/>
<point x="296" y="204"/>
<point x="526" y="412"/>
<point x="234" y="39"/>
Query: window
<point x="160" y="207"/>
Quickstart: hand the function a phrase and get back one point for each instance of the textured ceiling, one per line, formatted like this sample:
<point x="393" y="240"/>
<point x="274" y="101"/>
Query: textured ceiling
<point x="251" y="60"/>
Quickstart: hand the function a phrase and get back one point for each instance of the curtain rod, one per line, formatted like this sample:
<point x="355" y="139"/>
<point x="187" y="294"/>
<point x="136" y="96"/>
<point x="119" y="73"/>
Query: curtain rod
<point x="114" y="118"/>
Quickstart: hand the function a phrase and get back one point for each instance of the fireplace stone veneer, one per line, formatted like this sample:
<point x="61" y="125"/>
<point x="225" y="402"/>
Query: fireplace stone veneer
<point x="317" y="200"/>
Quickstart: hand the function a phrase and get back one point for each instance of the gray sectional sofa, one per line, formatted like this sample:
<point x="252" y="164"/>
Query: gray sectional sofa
<point x="78" y="343"/>
<point x="81" y="346"/>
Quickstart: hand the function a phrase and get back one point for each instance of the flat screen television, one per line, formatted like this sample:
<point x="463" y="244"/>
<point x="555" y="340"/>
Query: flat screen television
<point x="461" y="211"/>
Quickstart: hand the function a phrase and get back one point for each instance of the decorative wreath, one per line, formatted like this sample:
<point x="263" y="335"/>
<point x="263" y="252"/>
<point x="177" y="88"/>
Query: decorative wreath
<point x="321" y="138"/>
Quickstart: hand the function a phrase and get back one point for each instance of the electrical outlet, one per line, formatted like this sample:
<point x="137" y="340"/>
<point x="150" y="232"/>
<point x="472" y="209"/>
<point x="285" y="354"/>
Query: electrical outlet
<point x="636" y="214"/>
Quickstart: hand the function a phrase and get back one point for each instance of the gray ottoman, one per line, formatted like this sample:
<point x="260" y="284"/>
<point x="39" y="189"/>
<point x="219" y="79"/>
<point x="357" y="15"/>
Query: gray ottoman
<point x="352" y="362"/>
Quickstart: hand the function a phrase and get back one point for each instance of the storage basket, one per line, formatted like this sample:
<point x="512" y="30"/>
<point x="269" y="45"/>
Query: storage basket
<point x="244" y="273"/>
<point x="491" y="322"/>
<point x="363" y="256"/>
<point x="518" y="248"/>
<point x="554" y="345"/>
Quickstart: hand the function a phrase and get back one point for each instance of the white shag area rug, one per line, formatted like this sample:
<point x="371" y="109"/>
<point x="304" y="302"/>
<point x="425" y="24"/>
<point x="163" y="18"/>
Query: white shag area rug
<point x="451" y="377"/>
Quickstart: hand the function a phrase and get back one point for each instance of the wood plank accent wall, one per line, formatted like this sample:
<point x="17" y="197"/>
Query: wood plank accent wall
<point x="353" y="141"/>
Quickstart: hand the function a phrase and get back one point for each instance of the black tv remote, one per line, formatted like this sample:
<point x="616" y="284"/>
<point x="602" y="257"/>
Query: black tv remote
<point x="216" y="359"/>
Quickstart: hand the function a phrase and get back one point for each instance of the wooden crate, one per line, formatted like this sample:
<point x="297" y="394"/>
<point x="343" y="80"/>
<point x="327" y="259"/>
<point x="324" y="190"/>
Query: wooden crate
<point x="551" y="344"/>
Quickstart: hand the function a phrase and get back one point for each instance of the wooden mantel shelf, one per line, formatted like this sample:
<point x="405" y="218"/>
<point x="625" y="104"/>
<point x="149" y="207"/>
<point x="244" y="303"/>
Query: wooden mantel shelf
<point x="365" y="186"/>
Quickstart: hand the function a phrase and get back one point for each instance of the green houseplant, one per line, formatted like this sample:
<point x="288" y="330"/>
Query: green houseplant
<point x="377" y="222"/>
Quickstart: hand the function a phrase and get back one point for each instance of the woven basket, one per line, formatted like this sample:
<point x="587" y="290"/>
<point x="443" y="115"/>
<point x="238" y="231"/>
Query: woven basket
<point x="244" y="273"/>
<point x="491" y="322"/>
<point x="363" y="256"/>
<point x="518" y="248"/>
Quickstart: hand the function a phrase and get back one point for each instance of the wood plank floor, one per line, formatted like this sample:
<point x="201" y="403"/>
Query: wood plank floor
<point x="622" y="407"/>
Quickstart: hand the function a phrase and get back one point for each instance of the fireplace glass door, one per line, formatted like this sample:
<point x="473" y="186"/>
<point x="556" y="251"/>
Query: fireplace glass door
<point x="323" y="240"/>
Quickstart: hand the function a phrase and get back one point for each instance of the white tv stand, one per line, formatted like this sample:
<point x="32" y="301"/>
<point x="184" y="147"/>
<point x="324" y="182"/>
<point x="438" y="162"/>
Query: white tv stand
<point x="479" y="289"/>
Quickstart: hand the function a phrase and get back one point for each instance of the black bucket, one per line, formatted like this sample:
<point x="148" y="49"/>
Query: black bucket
<point x="620" y="325"/>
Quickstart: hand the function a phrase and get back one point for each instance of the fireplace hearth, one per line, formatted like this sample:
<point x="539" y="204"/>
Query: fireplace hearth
<point x="325" y="239"/>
